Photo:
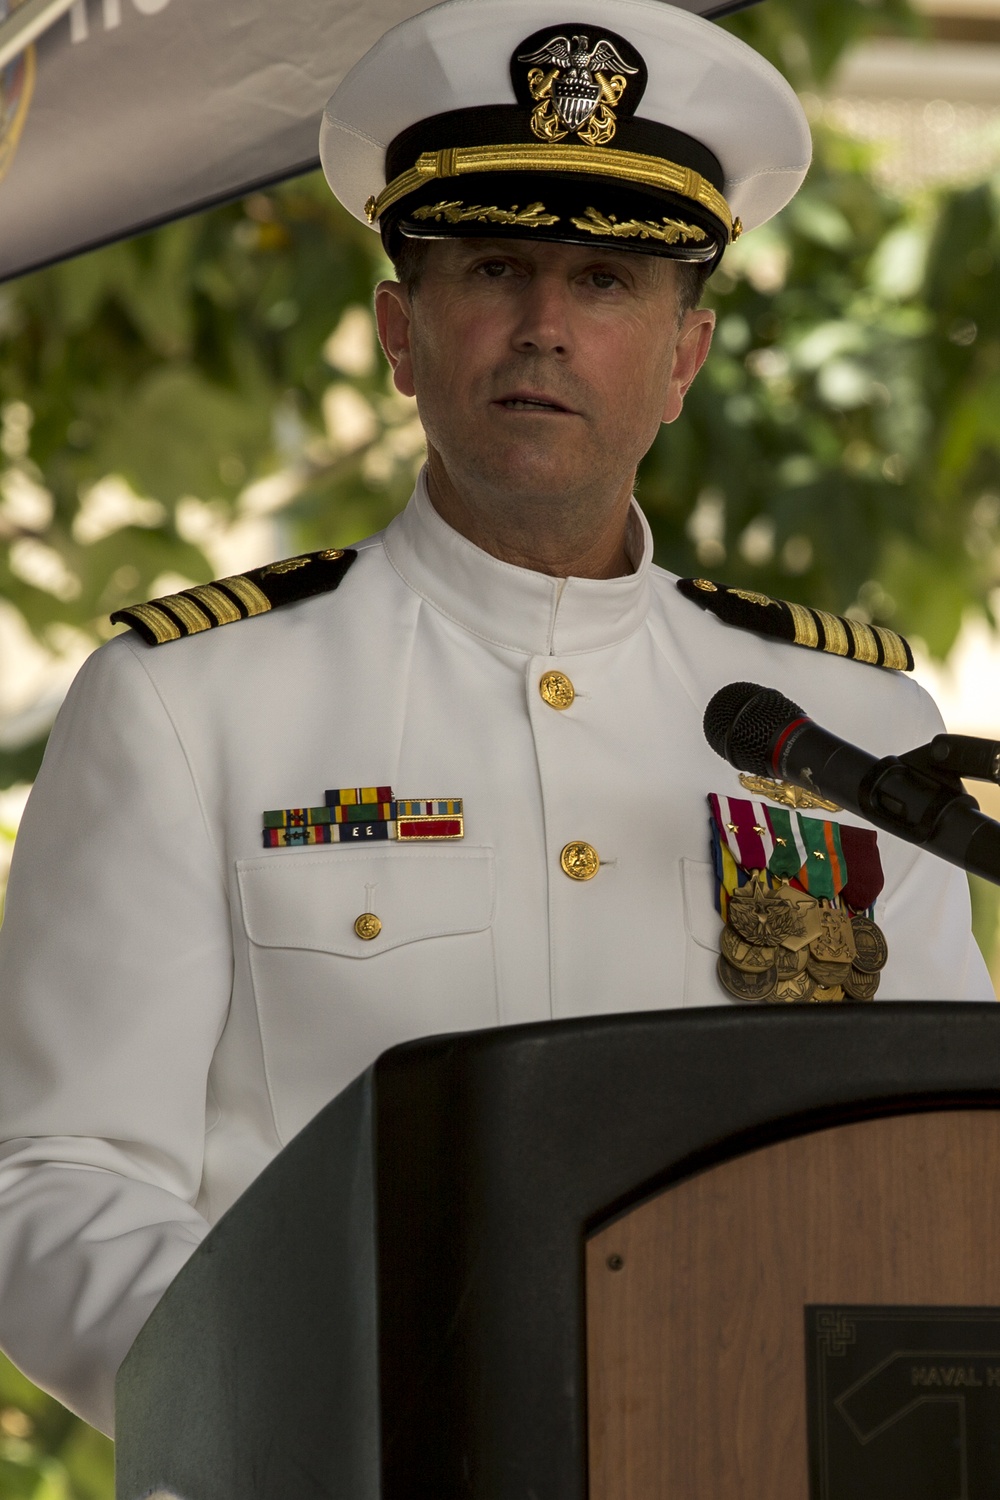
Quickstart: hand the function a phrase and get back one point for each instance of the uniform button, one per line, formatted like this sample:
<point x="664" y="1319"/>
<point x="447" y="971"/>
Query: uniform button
<point x="368" y="926"/>
<point x="557" y="690"/>
<point x="580" y="861"/>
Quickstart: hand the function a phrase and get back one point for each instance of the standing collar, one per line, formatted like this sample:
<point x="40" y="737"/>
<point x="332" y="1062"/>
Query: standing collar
<point x="515" y="607"/>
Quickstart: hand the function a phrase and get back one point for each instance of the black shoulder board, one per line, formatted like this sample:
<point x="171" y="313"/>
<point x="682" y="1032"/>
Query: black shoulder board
<point x="231" y="599"/>
<point x="800" y="625"/>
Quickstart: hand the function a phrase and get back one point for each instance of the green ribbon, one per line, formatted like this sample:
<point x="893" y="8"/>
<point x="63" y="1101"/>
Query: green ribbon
<point x="785" y="861"/>
<point x="825" y="869"/>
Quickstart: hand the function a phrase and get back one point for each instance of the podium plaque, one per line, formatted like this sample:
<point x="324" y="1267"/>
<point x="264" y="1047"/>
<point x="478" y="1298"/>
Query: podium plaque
<point x="904" y="1403"/>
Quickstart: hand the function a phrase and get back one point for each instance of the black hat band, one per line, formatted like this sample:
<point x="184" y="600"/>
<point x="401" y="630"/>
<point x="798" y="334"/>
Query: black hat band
<point x="597" y="161"/>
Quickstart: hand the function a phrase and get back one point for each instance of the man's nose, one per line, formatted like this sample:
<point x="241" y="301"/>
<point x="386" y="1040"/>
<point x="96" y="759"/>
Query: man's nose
<point x="544" y="321"/>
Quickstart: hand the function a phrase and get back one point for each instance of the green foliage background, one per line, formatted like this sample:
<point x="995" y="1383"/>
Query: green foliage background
<point x="842" y="445"/>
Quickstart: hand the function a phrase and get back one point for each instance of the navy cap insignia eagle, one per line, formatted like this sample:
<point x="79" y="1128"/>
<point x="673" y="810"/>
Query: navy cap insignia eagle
<point x="580" y="92"/>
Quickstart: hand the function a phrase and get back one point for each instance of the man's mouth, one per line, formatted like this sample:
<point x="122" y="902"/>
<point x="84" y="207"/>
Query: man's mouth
<point x="521" y="402"/>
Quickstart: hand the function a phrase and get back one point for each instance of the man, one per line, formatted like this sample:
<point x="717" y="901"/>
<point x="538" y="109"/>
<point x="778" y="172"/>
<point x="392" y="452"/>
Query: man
<point x="500" y="698"/>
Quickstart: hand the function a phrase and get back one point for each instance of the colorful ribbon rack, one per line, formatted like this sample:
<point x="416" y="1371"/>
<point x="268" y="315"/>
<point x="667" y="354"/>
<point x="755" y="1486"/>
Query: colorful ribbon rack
<point x="362" y="815"/>
<point x="796" y="895"/>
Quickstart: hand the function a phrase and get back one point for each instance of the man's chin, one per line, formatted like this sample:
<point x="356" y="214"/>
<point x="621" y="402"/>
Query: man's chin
<point x="530" y="469"/>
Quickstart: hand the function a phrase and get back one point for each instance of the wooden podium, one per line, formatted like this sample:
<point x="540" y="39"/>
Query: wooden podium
<point x="706" y="1255"/>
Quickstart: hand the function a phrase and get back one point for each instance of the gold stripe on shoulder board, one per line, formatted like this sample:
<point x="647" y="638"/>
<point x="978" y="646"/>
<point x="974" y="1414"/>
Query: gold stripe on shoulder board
<point x="203" y="606"/>
<point x="799" y="625"/>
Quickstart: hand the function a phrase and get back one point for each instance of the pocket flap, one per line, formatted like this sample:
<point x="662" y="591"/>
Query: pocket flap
<point x="700" y="916"/>
<point x="306" y="898"/>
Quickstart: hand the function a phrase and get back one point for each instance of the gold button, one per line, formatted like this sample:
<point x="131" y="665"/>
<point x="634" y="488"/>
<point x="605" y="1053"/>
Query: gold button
<point x="368" y="926"/>
<point x="557" y="690"/>
<point x="580" y="861"/>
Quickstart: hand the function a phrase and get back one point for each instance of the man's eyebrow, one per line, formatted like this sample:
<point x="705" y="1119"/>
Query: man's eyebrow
<point x="473" y="245"/>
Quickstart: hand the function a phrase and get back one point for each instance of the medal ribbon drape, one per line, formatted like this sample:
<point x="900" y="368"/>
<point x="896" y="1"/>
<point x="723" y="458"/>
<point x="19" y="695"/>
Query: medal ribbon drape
<point x="825" y="870"/>
<point x="789" y="853"/>
<point x="744" y="828"/>
<point x="790" y="935"/>
<point x="865" y="878"/>
<point x="728" y="874"/>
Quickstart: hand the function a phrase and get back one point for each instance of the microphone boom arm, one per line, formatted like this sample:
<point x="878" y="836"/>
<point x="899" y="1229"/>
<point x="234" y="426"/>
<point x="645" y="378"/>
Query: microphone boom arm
<point x="919" y="797"/>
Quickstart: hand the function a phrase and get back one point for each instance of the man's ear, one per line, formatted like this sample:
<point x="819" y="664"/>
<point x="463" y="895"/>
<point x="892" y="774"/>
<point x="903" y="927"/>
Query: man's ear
<point x="392" y="317"/>
<point x="693" y="342"/>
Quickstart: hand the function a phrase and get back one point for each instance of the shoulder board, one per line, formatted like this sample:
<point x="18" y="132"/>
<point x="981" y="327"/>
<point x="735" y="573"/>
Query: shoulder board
<point x="799" y="625"/>
<point x="230" y="599"/>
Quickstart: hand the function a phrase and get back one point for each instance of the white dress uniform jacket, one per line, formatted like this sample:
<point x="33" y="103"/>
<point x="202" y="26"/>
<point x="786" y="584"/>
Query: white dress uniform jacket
<point x="177" y="1001"/>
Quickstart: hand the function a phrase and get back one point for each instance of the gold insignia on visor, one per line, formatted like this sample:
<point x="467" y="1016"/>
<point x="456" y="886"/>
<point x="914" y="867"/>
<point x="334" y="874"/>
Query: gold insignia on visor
<point x="578" y="95"/>
<point x="670" y="231"/>
<point x="633" y="167"/>
<point x="456" y="212"/>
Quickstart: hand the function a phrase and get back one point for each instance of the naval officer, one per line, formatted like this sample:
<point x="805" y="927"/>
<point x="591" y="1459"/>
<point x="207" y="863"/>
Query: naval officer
<point x="454" y="777"/>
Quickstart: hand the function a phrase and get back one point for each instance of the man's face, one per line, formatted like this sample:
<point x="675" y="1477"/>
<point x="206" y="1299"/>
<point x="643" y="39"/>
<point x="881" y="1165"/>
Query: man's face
<point x="541" y="370"/>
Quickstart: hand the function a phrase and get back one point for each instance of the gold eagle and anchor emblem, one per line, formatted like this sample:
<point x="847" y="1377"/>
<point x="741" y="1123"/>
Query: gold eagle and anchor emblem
<point x="580" y="92"/>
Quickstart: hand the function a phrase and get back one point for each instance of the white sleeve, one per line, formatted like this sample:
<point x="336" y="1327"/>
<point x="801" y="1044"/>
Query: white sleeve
<point x="926" y="912"/>
<point x="115" y="978"/>
<point x="927" y="922"/>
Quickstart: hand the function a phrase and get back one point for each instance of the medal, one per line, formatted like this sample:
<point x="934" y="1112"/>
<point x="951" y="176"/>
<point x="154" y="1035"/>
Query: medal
<point x="859" y="985"/>
<point x="806" y="924"/>
<point x="870" y="946"/>
<point x="749" y="957"/>
<point x="790" y="936"/>
<point x="835" y="942"/>
<point x="793" y="989"/>
<point x="744" y="986"/>
<point x="789" y="961"/>
<point x="826" y="973"/>
<point x="760" y="915"/>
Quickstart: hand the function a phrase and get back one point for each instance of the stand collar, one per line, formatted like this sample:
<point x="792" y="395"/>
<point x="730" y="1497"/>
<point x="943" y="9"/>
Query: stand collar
<point x="515" y="607"/>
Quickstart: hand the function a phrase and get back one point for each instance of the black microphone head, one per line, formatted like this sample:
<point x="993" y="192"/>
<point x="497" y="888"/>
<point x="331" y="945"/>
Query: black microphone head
<point x="743" y="720"/>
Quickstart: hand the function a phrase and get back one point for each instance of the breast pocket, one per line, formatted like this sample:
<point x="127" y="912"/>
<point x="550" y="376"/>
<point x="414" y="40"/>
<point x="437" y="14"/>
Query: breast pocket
<point x="330" y="999"/>
<point x="703" y="927"/>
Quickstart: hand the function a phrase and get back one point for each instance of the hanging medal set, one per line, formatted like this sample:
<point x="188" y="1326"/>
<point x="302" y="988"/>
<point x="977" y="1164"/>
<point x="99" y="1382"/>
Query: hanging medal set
<point x="796" y="895"/>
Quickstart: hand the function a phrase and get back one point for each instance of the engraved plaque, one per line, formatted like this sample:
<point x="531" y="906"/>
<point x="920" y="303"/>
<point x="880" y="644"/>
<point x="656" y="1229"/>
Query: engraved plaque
<point x="904" y="1403"/>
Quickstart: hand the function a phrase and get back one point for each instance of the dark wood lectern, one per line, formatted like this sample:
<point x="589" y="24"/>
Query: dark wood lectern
<point x="702" y="1255"/>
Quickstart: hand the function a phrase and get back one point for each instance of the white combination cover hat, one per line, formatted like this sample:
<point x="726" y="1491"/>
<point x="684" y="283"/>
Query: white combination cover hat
<point x="627" y="122"/>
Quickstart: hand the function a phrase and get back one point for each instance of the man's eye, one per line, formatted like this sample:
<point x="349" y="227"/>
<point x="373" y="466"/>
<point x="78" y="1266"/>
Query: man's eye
<point x="605" y="280"/>
<point x="493" y="268"/>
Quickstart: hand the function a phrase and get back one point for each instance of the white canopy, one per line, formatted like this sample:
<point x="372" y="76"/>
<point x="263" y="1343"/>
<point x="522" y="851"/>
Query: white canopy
<point x="116" y="115"/>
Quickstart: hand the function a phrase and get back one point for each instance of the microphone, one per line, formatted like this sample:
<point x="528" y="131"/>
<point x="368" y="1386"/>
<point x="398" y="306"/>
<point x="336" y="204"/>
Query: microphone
<point x="758" y="729"/>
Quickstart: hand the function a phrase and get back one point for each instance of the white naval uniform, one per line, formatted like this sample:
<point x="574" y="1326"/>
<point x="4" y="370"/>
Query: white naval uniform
<point x="178" y="1001"/>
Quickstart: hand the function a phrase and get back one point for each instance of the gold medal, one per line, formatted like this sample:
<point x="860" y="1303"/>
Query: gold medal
<point x="794" y="989"/>
<point x="827" y="992"/>
<point x="790" y="961"/>
<point x="871" y="949"/>
<point x="827" y="973"/>
<point x="760" y="916"/>
<point x="835" y="943"/>
<point x="806" y="925"/>
<point x="750" y="957"/>
<point x="759" y="986"/>
<point x="861" y="986"/>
